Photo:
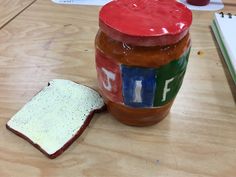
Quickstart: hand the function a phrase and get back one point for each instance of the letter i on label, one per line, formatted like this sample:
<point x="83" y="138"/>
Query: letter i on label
<point x="139" y="86"/>
<point x="137" y="92"/>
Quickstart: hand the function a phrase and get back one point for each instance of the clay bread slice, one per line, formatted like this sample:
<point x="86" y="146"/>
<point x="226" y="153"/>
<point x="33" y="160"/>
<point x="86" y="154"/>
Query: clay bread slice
<point x="56" y="116"/>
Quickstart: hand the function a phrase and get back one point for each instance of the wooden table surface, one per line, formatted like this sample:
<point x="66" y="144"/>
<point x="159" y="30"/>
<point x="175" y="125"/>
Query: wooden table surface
<point x="197" y="138"/>
<point x="9" y="9"/>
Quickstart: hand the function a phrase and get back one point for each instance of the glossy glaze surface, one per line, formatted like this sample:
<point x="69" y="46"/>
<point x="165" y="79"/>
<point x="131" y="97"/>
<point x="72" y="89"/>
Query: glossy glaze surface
<point x="142" y="51"/>
<point x="132" y="55"/>
<point x="145" y="22"/>
<point x="127" y="101"/>
<point x="138" y="117"/>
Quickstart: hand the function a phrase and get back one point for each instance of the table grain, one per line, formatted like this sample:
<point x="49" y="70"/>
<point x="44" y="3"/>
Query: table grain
<point x="9" y="9"/>
<point x="197" y="138"/>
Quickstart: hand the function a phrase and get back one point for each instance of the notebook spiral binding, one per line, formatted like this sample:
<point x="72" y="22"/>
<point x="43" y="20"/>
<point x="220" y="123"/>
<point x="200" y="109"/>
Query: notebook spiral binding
<point x="230" y="15"/>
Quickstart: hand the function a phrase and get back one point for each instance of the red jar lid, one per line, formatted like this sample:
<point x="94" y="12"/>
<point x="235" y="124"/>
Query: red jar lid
<point x="145" y="22"/>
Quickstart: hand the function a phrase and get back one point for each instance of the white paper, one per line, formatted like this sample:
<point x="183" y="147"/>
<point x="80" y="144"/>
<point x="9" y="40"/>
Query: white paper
<point x="82" y="2"/>
<point x="212" y="6"/>
<point x="226" y="27"/>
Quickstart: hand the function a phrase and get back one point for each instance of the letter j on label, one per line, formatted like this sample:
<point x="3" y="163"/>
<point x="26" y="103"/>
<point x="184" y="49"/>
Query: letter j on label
<point x="110" y="76"/>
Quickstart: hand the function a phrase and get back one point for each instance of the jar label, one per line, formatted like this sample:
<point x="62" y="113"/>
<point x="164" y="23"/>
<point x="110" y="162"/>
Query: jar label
<point x="169" y="79"/>
<point x="109" y="78"/>
<point x="140" y="87"/>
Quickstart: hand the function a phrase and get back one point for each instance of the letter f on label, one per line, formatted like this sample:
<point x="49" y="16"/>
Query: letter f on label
<point x="166" y="89"/>
<point x="110" y="76"/>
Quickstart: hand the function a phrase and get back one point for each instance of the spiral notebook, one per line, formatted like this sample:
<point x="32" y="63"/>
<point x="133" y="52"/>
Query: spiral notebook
<point x="223" y="27"/>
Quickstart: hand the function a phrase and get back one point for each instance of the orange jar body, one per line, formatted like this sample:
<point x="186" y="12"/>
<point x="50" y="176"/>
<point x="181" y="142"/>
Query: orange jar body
<point x="139" y="76"/>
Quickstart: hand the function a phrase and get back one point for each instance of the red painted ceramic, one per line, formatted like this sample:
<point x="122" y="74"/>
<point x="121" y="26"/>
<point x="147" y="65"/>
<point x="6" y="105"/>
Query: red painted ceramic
<point x="145" y="23"/>
<point x="198" y="2"/>
<point x="142" y="50"/>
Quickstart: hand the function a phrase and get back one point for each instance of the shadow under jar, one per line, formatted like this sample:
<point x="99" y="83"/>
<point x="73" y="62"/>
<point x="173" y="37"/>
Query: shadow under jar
<point x="142" y="50"/>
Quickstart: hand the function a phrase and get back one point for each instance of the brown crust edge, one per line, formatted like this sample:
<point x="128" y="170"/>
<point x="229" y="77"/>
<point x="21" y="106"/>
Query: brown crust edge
<point x="67" y="144"/>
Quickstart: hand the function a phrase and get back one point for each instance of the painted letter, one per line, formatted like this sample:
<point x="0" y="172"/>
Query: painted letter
<point x="110" y="76"/>
<point x="166" y="89"/>
<point x="137" y="92"/>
